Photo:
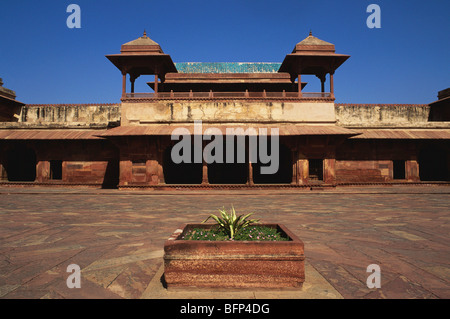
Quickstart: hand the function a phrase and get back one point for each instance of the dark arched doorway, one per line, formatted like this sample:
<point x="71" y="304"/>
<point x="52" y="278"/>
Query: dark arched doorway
<point x="284" y="173"/>
<point x="21" y="164"/>
<point x="112" y="172"/>
<point x="433" y="164"/>
<point x="231" y="170"/>
<point x="182" y="173"/>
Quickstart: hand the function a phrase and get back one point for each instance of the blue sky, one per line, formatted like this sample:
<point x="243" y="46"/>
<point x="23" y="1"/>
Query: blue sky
<point x="406" y="61"/>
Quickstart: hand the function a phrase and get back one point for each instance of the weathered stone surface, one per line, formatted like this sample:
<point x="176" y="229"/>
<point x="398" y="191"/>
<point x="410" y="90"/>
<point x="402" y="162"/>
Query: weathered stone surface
<point x="43" y="230"/>
<point x="237" y="111"/>
<point x="234" y="264"/>
<point x="73" y="113"/>
<point x="371" y="115"/>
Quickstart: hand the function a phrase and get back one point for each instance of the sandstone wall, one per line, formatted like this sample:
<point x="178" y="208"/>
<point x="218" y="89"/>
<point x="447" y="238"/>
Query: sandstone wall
<point x="70" y="114"/>
<point x="372" y="161"/>
<point x="379" y="115"/>
<point x="227" y="111"/>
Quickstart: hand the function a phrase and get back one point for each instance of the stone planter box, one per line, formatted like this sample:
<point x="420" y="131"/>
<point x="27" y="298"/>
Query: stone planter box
<point x="233" y="264"/>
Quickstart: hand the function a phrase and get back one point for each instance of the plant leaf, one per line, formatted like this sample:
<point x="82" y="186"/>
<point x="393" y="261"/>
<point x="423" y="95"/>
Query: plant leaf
<point x="230" y="223"/>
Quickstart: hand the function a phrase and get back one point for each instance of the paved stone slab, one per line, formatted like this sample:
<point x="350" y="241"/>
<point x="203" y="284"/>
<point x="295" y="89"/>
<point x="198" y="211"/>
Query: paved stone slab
<point x="117" y="237"/>
<point x="315" y="287"/>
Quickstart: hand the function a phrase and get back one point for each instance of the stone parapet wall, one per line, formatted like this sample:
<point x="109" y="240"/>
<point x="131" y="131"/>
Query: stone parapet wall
<point x="368" y="115"/>
<point x="70" y="113"/>
<point x="226" y="111"/>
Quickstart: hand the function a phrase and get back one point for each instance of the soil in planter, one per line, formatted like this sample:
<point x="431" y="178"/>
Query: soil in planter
<point x="250" y="233"/>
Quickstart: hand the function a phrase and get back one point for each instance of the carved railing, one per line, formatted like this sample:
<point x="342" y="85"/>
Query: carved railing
<point x="230" y="95"/>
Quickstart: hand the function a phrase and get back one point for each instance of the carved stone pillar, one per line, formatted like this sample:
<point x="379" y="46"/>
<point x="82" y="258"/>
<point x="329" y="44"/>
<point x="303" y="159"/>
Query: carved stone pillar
<point x="412" y="170"/>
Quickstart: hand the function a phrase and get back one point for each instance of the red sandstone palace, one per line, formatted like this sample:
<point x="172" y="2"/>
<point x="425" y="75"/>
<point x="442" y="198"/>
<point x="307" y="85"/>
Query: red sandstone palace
<point x="128" y="145"/>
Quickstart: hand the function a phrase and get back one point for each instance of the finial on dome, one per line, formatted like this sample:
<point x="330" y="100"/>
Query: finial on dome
<point x="145" y="34"/>
<point x="310" y="32"/>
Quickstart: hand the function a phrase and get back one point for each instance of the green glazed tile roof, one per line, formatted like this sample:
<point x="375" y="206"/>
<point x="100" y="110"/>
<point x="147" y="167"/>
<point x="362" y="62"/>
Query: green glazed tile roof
<point x="227" y="67"/>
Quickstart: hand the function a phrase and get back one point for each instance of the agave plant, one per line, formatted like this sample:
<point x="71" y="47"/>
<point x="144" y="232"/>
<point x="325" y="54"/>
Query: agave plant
<point x="230" y="223"/>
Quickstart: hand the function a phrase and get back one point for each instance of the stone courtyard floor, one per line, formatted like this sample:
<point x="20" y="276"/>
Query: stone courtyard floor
<point x="117" y="237"/>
